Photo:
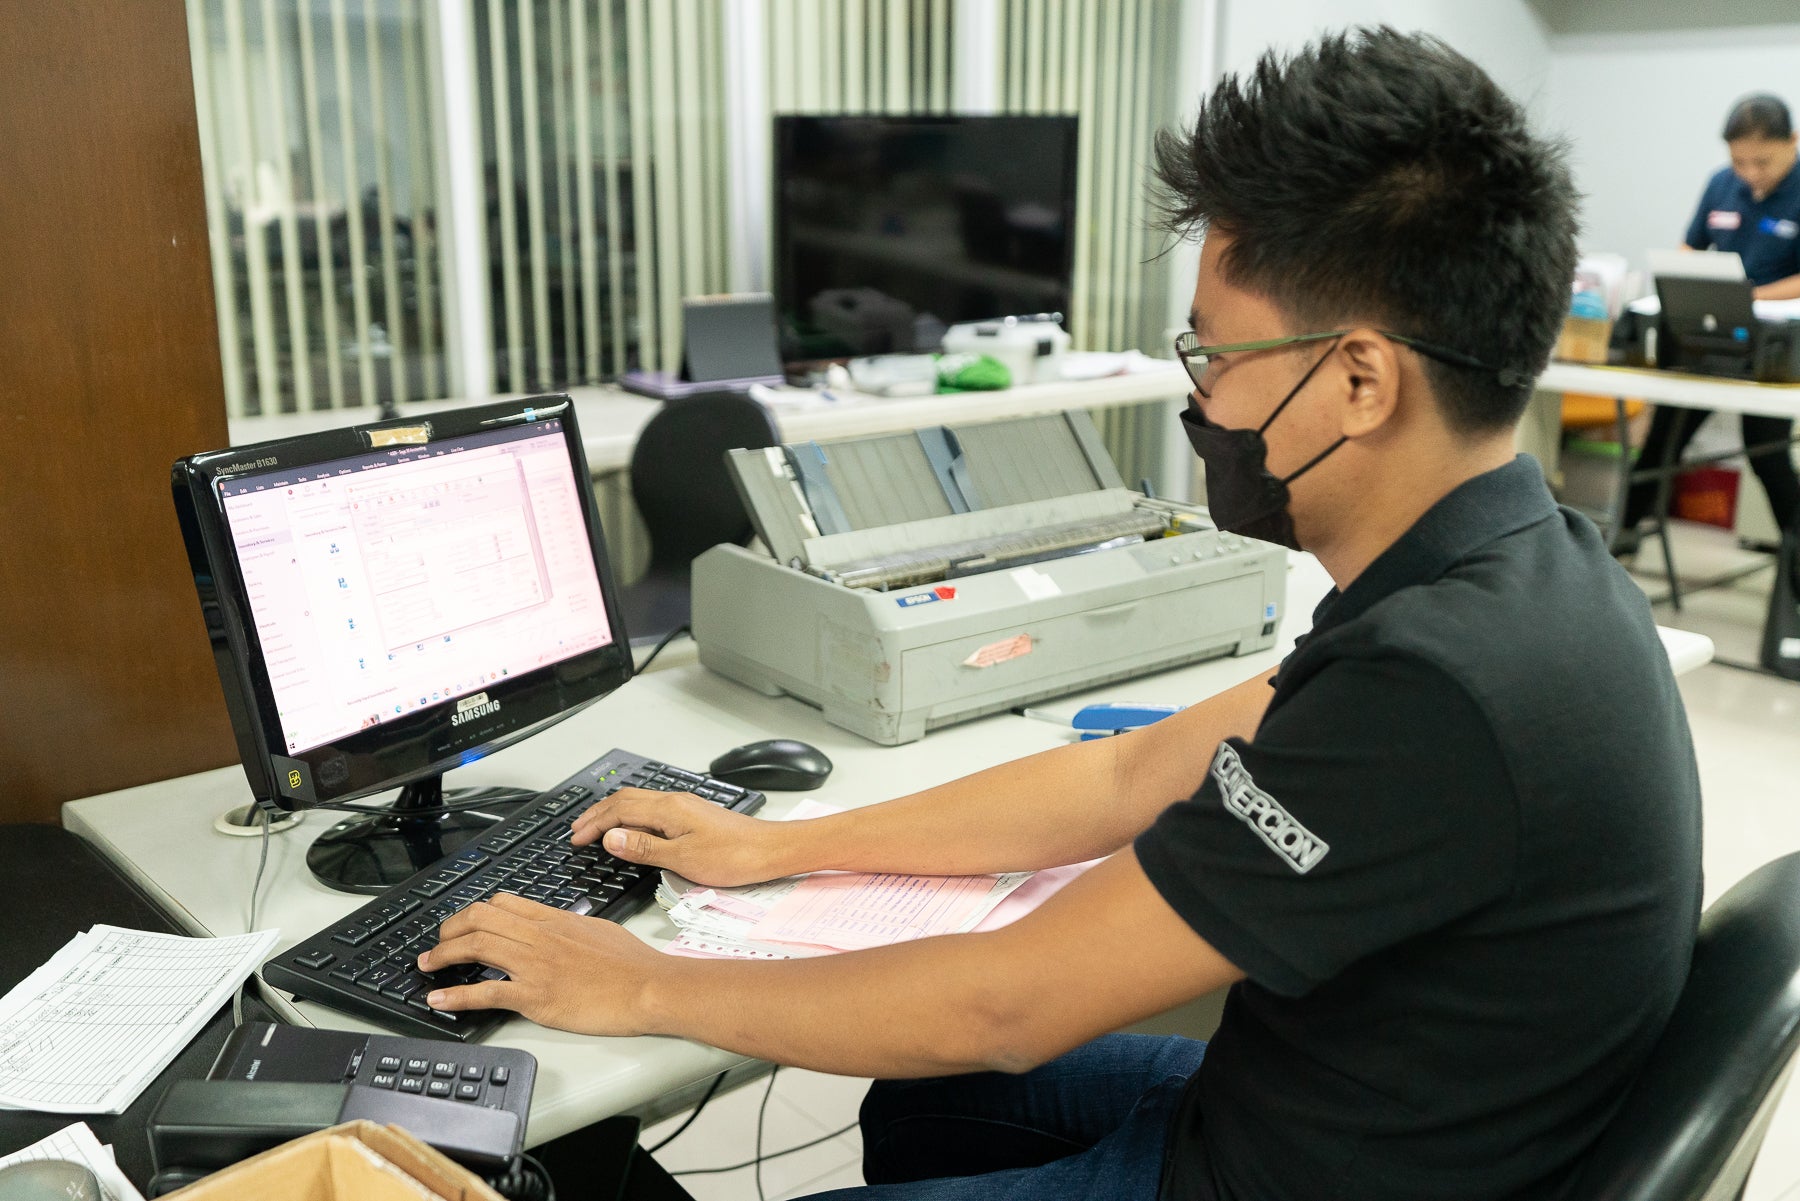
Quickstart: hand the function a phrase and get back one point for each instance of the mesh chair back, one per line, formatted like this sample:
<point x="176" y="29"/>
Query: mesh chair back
<point x="1692" y="1123"/>
<point x="679" y="478"/>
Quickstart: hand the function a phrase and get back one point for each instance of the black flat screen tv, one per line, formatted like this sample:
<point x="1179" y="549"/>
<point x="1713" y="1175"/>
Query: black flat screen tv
<point x="890" y="229"/>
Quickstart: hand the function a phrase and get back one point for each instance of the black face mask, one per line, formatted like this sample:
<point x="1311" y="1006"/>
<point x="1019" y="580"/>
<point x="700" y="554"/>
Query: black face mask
<point x="1240" y="493"/>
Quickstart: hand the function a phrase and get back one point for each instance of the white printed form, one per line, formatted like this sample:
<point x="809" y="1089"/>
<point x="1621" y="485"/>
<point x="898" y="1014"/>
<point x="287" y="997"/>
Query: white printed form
<point x="89" y="1031"/>
<point x="867" y="909"/>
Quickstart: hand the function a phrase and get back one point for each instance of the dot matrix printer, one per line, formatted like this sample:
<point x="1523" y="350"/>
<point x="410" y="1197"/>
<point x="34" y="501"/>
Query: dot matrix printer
<point x="915" y="580"/>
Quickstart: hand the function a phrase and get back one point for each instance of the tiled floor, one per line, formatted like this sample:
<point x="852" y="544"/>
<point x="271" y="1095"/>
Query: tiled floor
<point x="1746" y="734"/>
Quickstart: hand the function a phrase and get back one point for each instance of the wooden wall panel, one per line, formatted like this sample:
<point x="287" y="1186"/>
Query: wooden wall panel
<point x="109" y="370"/>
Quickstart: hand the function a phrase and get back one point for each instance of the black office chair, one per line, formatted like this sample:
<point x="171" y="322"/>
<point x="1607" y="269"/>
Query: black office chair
<point x="684" y="492"/>
<point x="1692" y="1124"/>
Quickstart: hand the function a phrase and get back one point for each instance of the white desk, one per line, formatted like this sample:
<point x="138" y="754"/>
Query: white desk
<point x="161" y="834"/>
<point x="611" y="417"/>
<point x="1683" y="391"/>
<point x="1674" y="388"/>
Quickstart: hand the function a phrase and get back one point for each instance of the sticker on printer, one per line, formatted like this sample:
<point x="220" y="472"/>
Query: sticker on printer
<point x="1006" y="649"/>
<point x="941" y="592"/>
<point x="1789" y="648"/>
<point x="1724" y="219"/>
<point x="1035" y="584"/>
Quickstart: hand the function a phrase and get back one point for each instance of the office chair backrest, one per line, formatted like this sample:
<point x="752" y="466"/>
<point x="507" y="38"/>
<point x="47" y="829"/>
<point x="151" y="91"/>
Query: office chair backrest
<point x="1690" y="1128"/>
<point x="679" y="479"/>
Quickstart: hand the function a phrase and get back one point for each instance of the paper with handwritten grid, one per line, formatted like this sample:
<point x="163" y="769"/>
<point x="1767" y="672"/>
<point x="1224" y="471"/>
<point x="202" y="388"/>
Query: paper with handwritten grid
<point x="90" y="1029"/>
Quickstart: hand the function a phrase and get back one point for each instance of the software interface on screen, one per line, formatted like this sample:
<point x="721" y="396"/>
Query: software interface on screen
<point x="414" y="575"/>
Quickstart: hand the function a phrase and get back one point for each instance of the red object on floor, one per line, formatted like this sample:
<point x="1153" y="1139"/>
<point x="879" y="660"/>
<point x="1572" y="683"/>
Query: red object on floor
<point x="1706" y="494"/>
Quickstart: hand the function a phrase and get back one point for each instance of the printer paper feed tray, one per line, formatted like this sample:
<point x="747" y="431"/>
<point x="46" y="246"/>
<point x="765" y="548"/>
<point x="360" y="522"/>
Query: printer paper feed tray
<point x="799" y="492"/>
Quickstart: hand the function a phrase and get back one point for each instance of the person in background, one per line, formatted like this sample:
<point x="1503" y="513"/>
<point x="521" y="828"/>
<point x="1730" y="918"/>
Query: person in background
<point x="1751" y="208"/>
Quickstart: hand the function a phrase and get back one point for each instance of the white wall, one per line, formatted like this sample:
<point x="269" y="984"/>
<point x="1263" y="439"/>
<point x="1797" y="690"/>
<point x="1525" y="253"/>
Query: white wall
<point x="1644" y="110"/>
<point x="1506" y="37"/>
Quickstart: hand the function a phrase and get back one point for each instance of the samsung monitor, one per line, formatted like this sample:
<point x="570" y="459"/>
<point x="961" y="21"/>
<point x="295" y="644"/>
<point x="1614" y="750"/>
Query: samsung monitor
<point x="389" y="601"/>
<point x="890" y="229"/>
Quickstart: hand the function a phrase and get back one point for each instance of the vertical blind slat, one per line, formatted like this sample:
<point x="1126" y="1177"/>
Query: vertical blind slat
<point x="534" y="193"/>
<point x="714" y="155"/>
<point x="808" y="96"/>
<point x="665" y="165"/>
<point x="897" y="45"/>
<point x="940" y="56"/>
<point x="384" y="205"/>
<point x="643" y="215"/>
<point x="512" y="345"/>
<point x="212" y="158"/>
<point x="353" y="224"/>
<point x="292" y="273"/>
<point x="855" y="96"/>
<point x="830" y="63"/>
<point x="256" y="261"/>
<point x="1080" y="320"/>
<point x="1104" y="271"/>
<point x="423" y="185"/>
<point x="561" y="158"/>
<point x="689" y="113"/>
<point x="615" y="226"/>
<point x="586" y="244"/>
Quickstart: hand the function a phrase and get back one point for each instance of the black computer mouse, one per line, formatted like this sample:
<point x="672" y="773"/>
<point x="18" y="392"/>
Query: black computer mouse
<point x="778" y="764"/>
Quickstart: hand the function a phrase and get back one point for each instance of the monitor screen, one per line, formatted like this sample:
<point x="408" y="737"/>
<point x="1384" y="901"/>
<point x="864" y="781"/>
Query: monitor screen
<point x="890" y="229"/>
<point x="389" y="601"/>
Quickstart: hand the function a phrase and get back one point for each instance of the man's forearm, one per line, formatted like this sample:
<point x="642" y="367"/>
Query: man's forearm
<point x="1781" y="289"/>
<point x="1104" y="952"/>
<point x="1065" y="805"/>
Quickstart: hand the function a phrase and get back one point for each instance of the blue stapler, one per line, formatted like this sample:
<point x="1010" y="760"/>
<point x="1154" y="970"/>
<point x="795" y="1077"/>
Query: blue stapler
<point x="1099" y="721"/>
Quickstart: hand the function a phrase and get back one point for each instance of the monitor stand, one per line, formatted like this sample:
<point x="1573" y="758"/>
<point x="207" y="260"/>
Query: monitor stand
<point x="372" y="853"/>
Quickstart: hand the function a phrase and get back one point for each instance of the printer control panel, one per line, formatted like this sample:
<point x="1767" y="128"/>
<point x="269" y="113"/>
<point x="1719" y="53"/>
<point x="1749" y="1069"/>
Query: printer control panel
<point x="1162" y="554"/>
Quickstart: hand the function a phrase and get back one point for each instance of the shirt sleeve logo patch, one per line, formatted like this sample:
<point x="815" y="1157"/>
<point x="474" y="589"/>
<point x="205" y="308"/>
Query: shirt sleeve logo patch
<point x="1299" y="847"/>
<point x="1724" y="219"/>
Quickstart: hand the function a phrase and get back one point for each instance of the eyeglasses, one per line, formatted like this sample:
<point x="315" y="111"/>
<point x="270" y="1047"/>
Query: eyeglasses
<point x="1202" y="362"/>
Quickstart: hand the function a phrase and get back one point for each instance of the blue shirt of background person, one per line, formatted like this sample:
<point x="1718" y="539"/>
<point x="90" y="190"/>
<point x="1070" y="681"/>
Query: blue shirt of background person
<point x="1752" y="207"/>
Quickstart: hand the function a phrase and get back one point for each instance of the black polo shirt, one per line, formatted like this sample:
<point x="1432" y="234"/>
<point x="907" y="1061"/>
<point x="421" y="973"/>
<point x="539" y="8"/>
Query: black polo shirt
<point x="1764" y="233"/>
<point x="1459" y="863"/>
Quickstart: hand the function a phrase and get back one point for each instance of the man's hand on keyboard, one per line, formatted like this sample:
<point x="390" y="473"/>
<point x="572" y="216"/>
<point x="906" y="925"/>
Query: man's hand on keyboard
<point x="564" y="971"/>
<point x="697" y="838"/>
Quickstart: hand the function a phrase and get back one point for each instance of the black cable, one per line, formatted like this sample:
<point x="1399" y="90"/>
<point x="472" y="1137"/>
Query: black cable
<point x="658" y="649"/>
<point x="737" y="1167"/>
<point x="525" y="1179"/>
<point x="761" y="1110"/>
<point x="262" y="861"/>
<point x="710" y="1090"/>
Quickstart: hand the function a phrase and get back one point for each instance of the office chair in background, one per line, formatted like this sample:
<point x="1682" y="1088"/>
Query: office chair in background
<point x="1692" y="1124"/>
<point x="684" y="492"/>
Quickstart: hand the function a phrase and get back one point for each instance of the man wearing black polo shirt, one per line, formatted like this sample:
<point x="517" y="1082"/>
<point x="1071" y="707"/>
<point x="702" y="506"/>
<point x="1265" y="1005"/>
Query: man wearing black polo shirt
<point x="1752" y="209"/>
<point x="1446" y="858"/>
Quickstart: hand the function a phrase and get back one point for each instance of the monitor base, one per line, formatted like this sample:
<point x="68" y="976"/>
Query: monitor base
<point x="370" y="853"/>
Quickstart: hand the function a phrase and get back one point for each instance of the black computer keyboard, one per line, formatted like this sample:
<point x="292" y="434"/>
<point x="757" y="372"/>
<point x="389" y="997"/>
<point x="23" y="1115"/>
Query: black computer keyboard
<point x="367" y="965"/>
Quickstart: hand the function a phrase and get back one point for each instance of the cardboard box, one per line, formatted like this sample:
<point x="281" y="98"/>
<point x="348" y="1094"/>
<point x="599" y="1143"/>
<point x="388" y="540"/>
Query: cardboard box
<point x="1583" y="340"/>
<point x="357" y="1161"/>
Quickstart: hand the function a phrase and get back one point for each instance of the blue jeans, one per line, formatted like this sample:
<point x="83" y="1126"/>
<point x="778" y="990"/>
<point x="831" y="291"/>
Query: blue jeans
<point x="1092" y="1123"/>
